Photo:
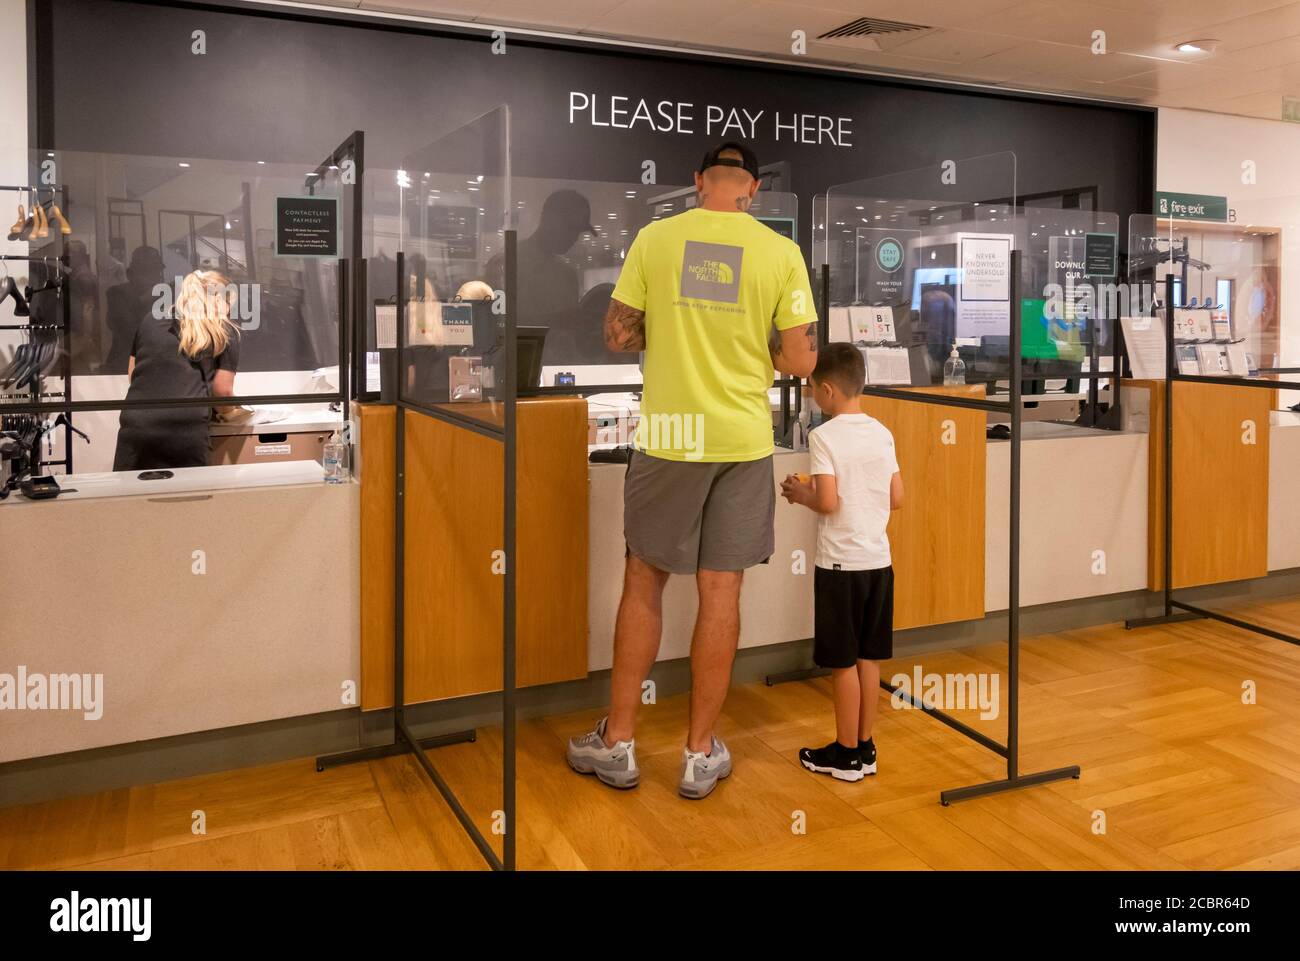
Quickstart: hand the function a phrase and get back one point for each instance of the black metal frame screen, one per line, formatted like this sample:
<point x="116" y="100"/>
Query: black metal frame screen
<point x="1010" y="751"/>
<point x="1174" y="609"/>
<point x="403" y="739"/>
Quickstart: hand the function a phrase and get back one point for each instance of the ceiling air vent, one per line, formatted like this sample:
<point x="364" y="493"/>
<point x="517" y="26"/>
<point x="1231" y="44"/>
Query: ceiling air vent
<point x="870" y="26"/>
<point x="867" y="33"/>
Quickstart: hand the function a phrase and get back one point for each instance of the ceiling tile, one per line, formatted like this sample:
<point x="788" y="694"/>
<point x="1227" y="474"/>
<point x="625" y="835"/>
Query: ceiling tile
<point x="1176" y="76"/>
<point x="1196" y="15"/>
<point x="438" y="9"/>
<point x="1033" y="44"/>
<point x="1055" y="22"/>
<point x="661" y="19"/>
<point x="555" y="14"/>
<point x="1253" y="105"/>
<point x="1233" y="32"/>
<point x="1067" y="63"/>
<point x="954" y="46"/>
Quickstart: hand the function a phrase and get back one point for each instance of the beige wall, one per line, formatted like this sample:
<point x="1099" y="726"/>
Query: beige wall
<point x="1283" y="504"/>
<point x="1203" y="153"/>
<point x="269" y="631"/>
<point x="776" y="603"/>
<point x="1078" y="495"/>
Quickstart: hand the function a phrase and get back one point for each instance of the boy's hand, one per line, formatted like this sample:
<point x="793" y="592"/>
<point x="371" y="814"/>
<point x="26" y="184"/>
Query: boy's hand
<point x="797" y="489"/>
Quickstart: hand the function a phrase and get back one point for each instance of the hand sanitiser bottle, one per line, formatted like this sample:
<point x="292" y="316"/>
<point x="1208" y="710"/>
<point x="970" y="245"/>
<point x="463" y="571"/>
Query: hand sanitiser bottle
<point x="954" y="369"/>
<point x="334" y="460"/>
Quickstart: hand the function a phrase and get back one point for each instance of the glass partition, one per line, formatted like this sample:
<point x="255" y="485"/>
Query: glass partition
<point x="456" y="385"/>
<point x="820" y="251"/>
<point x="1070" y="302"/>
<point x="1226" y="293"/>
<point x="920" y="266"/>
<point x="133" y="228"/>
<point x="123" y="246"/>
<point x="452" y="217"/>
<point x="573" y="237"/>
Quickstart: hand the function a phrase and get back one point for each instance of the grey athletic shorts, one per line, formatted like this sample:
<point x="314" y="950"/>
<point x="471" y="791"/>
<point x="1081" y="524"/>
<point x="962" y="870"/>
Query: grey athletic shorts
<point x="681" y="516"/>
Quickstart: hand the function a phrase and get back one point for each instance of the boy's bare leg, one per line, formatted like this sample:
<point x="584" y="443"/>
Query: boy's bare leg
<point x="848" y="702"/>
<point x="869" y="679"/>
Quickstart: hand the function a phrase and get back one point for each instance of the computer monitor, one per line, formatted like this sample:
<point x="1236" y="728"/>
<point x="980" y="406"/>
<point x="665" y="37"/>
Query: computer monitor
<point x="530" y="342"/>
<point x="928" y="277"/>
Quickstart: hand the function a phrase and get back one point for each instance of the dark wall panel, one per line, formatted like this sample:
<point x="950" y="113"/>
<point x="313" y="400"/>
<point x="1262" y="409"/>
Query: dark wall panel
<point x="277" y="87"/>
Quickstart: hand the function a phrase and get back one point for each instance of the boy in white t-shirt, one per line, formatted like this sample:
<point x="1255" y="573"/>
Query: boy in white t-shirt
<point x="854" y="485"/>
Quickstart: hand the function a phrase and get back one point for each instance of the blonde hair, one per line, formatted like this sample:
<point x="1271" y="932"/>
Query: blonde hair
<point x="203" y="313"/>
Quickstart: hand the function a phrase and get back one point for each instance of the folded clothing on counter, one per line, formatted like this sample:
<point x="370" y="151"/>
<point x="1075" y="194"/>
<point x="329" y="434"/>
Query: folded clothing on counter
<point x="252" y="415"/>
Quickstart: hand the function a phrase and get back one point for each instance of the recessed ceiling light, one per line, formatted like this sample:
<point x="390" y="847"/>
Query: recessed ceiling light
<point x="1197" y="46"/>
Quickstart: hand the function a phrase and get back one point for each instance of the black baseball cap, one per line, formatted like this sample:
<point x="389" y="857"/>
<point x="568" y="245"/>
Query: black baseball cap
<point x="748" y="161"/>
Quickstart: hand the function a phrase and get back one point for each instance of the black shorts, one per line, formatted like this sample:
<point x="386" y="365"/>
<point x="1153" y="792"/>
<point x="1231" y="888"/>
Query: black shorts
<point x="854" y="616"/>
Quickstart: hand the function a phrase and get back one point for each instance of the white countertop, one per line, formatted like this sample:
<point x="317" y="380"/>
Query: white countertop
<point x="185" y="480"/>
<point x="315" y="419"/>
<point x="1050" y="430"/>
<point x="606" y="405"/>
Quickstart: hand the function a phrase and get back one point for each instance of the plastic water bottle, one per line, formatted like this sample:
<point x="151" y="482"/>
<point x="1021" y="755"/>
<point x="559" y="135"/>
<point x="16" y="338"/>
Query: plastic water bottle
<point x="334" y="460"/>
<point x="954" y="369"/>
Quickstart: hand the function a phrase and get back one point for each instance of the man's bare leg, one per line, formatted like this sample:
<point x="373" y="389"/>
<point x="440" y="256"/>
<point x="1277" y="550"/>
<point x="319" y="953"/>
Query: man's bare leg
<point x="636" y="644"/>
<point x="713" y="650"/>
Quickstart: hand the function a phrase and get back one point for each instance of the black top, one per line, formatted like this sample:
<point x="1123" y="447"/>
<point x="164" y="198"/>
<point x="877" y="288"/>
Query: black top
<point x="162" y="372"/>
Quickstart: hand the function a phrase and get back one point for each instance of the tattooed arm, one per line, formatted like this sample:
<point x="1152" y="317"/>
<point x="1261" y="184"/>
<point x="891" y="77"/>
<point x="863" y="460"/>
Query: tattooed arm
<point x="624" y="328"/>
<point x="794" y="351"/>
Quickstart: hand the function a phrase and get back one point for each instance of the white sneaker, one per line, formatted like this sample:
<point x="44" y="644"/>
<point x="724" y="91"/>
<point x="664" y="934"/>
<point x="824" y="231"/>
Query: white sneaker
<point x="615" y="766"/>
<point x="701" y="772"/>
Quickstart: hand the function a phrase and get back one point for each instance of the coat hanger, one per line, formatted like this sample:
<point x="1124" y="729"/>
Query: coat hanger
<point x="9" y="288"/>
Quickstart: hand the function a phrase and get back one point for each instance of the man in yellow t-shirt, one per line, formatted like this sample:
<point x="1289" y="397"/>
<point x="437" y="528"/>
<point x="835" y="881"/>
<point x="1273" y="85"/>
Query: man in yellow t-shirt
<point x="719" y="302"/>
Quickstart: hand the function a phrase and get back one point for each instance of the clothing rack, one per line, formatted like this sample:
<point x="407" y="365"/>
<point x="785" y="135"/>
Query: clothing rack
<point x="38" y="393"/>
<point x="1010" y="751"/>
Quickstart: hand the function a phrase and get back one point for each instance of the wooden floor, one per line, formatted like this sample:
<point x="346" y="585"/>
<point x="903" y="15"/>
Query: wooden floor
<point x="1184" y="773"/>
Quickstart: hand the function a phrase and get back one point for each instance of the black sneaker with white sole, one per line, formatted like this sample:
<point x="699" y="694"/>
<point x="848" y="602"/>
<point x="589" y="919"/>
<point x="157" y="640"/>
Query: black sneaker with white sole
<point x="840" y="762"/>
<point x="867" y="752"/>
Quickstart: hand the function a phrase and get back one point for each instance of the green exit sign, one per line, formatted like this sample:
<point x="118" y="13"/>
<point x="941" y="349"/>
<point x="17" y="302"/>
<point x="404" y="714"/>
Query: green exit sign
<point x="1179" y="206"/>
<point x="1291" y="109"/>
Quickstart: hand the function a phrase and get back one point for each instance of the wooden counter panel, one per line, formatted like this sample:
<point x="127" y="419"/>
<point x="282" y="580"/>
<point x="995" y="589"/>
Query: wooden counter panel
<point x="453" y="526"/>
<point x="937" y="537"/>
<point x="377" y="423"/>
<point x="1220" y="484"/>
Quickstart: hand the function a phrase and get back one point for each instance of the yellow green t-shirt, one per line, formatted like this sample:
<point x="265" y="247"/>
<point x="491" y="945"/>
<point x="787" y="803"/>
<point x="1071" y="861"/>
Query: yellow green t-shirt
<point x="712" y="285"/>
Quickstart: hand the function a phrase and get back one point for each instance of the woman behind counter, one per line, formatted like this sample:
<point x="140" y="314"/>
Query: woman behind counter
<point x="193" y="352"/>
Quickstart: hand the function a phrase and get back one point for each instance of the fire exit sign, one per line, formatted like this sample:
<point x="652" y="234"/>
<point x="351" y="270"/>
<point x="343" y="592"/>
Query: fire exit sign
<point x="1178" y="206"/>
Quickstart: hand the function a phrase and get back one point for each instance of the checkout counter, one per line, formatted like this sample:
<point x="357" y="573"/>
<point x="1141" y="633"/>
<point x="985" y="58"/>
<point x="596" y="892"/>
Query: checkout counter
<point x="297" y="574"/>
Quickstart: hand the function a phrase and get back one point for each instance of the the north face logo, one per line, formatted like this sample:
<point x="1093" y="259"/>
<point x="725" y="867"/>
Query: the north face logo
<point x="711" y="271"/>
